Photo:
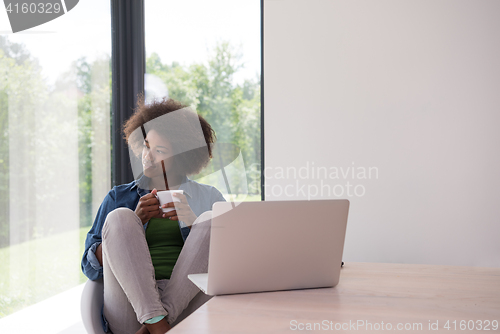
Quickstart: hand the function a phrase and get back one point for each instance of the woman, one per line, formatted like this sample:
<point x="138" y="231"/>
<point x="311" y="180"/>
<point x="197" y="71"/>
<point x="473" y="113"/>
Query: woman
<point x="143" y="254"/>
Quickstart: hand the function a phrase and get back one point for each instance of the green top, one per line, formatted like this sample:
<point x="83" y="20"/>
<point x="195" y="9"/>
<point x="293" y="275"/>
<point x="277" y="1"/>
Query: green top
<point x="165" y="243"/>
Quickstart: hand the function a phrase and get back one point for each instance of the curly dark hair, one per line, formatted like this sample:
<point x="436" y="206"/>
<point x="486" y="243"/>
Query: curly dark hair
<point x="178" y="124"/>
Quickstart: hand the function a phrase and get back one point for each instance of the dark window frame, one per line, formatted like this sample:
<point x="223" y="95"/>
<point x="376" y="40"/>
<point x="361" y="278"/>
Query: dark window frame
<point x="128" y="66"/>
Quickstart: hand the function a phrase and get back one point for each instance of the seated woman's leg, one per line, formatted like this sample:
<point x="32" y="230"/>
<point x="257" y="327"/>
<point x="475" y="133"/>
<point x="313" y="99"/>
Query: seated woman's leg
<point x="193" y="259"/>
<point x="130" y="293"/>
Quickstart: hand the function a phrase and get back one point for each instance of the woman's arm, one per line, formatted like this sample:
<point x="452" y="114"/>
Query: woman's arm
<point x="90" y="267"/>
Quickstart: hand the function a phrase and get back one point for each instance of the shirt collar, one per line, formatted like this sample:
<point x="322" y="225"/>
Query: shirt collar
<point x="142" y="184"/>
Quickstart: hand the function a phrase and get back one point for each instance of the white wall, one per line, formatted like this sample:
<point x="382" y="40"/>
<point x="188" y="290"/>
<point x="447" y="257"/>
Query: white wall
<point x="411" y="88"/>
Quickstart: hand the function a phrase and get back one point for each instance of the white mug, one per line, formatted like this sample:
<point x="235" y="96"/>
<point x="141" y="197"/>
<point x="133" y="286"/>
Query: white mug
<point x="165" y="197"/>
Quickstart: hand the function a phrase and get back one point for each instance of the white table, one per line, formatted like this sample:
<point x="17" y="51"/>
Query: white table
<point x="410" y="296"/>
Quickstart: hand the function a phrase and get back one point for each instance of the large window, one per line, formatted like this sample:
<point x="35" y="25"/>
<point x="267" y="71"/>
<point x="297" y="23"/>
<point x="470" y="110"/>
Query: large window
<point x="206" y="54"/>
<point x="54" y="149"/>
<point x="56" y="124"/>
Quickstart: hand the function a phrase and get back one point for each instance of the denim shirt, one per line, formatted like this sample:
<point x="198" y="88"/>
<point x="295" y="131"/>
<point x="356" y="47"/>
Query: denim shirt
<point x="200" y="197"/>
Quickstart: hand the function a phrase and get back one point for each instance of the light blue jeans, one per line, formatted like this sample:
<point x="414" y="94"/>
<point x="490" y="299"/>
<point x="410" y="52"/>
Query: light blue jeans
<point x="132" y="295"/>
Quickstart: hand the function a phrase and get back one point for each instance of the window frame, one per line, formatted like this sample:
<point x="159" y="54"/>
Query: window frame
<point x="128" y="54"/>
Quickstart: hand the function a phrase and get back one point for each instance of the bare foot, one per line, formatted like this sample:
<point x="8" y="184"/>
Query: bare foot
<point x="142" y="330"/>
<point x="160" y="327"/>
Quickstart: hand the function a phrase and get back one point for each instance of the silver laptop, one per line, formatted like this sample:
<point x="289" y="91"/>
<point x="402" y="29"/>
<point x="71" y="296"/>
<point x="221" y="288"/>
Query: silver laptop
<point x="274" y="245"/>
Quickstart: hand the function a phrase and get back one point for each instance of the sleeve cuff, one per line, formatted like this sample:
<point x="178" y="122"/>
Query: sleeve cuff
<point x="154" y="320"/>
<point x="92" y="258"/>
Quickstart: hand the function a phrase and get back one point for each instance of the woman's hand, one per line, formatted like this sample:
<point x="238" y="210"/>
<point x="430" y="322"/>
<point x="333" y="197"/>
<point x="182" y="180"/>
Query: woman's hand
<point x="148" y="207"/>
<point x="182" y="210"/>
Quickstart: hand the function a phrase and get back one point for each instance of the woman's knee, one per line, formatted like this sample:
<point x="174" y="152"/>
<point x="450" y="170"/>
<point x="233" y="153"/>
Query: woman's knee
<point x="201" y="230"/>
<point x="121" y="219"/>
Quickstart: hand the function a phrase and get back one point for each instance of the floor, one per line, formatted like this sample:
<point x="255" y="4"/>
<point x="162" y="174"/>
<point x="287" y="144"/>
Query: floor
<point x="59" y="314"/>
